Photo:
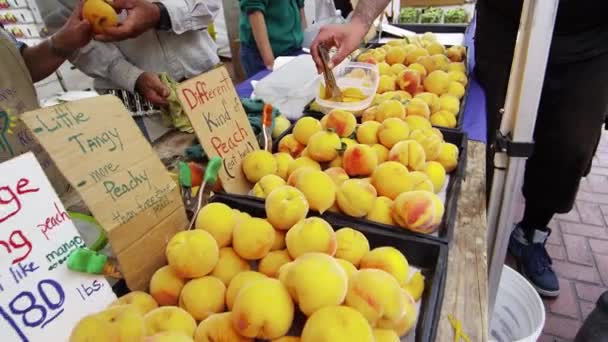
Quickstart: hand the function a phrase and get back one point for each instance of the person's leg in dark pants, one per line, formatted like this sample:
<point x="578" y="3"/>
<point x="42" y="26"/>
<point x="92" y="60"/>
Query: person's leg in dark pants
<point x="251" y="60"/>
<point x="568" y="127"/>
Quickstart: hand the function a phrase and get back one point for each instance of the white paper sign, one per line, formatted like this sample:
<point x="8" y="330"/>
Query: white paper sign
<point x="40" y="299"/>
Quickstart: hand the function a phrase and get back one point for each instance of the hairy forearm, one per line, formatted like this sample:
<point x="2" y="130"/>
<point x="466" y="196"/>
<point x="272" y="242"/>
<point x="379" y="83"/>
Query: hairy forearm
<point x="368" y="10"/>
<point x="41" y="61"/>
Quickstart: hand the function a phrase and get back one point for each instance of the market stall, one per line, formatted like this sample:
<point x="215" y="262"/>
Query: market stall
<point x="389" y="219"/>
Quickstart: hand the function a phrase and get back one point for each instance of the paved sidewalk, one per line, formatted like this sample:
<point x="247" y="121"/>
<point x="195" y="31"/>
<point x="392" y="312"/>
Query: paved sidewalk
<point x="579" y="248"/>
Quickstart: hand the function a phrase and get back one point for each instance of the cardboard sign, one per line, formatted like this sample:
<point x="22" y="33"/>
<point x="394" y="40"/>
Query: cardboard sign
<point x="39" y="297"/>
<point x="101" y="152"/>
<point x="220" y="123"/>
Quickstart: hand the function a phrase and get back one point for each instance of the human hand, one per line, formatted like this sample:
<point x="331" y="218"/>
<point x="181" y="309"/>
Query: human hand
<point x="149" y="85"/>
<point x="346" y="37"/>
<point x="75" y="33"/>
<point x="142" y="15"/>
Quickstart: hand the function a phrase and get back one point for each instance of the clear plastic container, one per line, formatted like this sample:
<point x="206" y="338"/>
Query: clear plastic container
<point x="363" y="76"/>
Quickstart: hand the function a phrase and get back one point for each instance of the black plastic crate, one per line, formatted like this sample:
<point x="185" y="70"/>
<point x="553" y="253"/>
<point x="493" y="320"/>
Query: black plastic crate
<point x="429" y="256"/>
<point x="435" y="28"/>
<point x="445" y="232"/>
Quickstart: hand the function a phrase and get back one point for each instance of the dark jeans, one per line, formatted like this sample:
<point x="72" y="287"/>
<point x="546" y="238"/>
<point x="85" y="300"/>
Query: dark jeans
<point x="252" y="62"/>
<point x="568" y="126"/>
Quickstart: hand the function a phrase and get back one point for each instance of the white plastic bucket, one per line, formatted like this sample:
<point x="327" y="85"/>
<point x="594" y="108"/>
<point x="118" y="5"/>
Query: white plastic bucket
<point x="519" y="314"/>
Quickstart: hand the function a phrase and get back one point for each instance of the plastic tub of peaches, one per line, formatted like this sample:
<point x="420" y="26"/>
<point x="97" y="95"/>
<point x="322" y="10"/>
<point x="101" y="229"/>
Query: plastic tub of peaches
<point x="309" y="110"/>
<point x="450" y="194"/>
<point x="429" y="257"/>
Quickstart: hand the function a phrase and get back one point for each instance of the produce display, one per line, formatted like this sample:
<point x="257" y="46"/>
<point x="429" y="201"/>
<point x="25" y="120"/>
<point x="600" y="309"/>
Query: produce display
<point x="238" y="278"/>
<point x="425" y="77"/>
<point x="433" y="15"/>
<point x="388" y="172"/>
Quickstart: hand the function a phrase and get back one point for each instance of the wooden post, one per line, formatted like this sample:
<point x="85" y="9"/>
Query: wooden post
<point x="232" y="14"/>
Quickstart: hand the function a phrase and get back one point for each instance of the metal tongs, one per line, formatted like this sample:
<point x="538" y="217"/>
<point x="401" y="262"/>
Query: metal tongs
<point x="211" y="173"/>
<point x="267" y="127"/>
<point x="331" y="87"/>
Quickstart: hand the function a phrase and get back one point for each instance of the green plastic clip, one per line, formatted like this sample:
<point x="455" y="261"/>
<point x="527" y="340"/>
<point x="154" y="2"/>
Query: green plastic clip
<point x="185" y="175"/>
<point x="85" y="260"/>
<point x="212" y="170"/>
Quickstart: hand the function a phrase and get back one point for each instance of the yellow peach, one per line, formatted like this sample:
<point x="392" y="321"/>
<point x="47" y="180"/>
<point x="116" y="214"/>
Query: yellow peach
<point x="384" y="68"/>
<point x="342" y="122"/>
<point x="294" y="176"/>
<point x="337" y="175"/>
<point x="218" y="328"/>
<point x="283" y="160"/>
<point x="100" y="15"/>
<point x="381" y="153"/>
<point x="337" y="324"/>
<point x="202" y="297"/>
<point x="450" y="103"/>
<point x="359" y="160"/>
<point x="386" y="83"/>
<point x="265" y="185"/>
<point x="169" y="318"/>
<point x="430" y="142"/>
<point x="263" y="310"/>
<point x="192" y="253"/>
<point x="376" y="294"/>
<point x="436" y="173"/>
<point x="414" y="54"/>
<point x="309" y="184"/>
<point x="142" y="301"/>
<point x="420" y="68"/>
<point x="381" y="211"/>
<point x="419" y="211"/>
<point x="390" y="260"/>
<point x="390" y="109"/>
<point x="415" y="286"/>
<point x="312" y="234"/>
<point x="435" y="48"/>
<point x="418" y="107"/>
<point x="352" y="245"/>
<point x="347" y="266"/>
<point x="409" y="80"/>
<point x="302" y="162"/>
<point x="281" y="124"/>
<point x="355" y="197"/>
<point x="395" y="55"/>
<point x="289" y="144"/>
<point x="285" y="206"/>
<point x="420" y="181"/>
<point x="389" y="179"/>
<point x="437" y="82"/>
<point x="238" y="282"/>
<point x="396" y="69"/>
<point x="257" y="164"/>
<point x="448" y="156"/>
<point x="417" y="122"/>
<point x="217" y="219"/>
<point x="458" y="76"/>
<point x="272" y="262"/>
<point x="456" y="89"/>
<point x="443" y="118"/>
<point x="407" y="322"/>
<point x="441" y="62"/>
<point x="279" y="240"/>
<point x="324" y="146"/>
<point x="367" y="132"/>
<point x="316" y="280"/>
<point x="117" y="323"/>
<point x="432" y="100"/>
<point x="409" y="153"/>
<point x="169" y="336"/>
<point x="253" y="238"/>
<point x="392" y="131"/>
<point x="229" y="265"/>
<point x="385" y="335"/>
<point x="165" y="286"/>
<point x="305" y="128"/>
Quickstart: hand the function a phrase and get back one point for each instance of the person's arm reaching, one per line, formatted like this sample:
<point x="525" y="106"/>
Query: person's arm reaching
<point x="347" y="37"/>
<point x="104" y="60"/>
<point x="143" y="15"/>
<point x="303" y="19"/>
<point x="260" y="34"/>
<point x="46" y="57"/>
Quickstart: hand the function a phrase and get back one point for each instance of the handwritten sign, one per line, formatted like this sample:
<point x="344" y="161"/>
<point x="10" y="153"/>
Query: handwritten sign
<point x="39" y="297"/>
<point x="220" y="123"/>
<point x="98" y="147"/>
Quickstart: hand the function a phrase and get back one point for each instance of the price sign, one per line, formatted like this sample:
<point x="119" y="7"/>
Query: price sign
<point x="39" y="297"/>
<point x="220" y="123"/>
<point x="101" y="152"/>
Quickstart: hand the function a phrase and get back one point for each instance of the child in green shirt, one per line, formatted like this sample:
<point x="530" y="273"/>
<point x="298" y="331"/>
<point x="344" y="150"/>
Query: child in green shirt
<point x="268" y="29"/>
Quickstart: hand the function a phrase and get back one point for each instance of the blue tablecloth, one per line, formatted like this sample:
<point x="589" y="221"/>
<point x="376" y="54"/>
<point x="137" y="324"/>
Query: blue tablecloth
<point x="474" y="121"/>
